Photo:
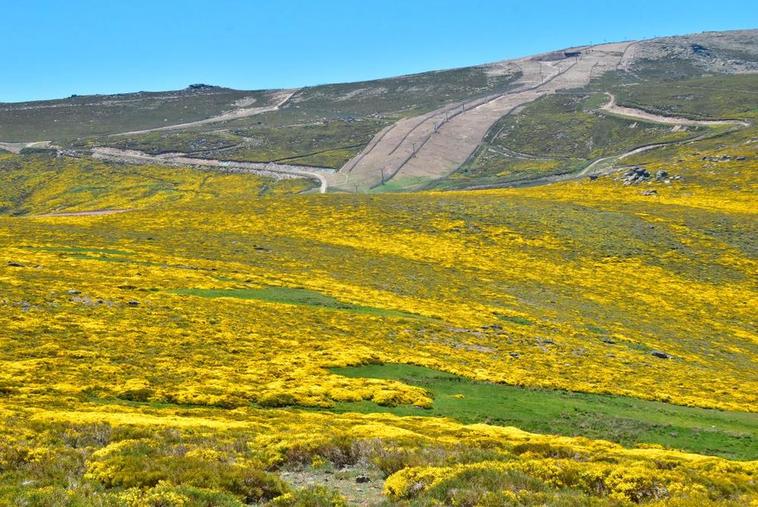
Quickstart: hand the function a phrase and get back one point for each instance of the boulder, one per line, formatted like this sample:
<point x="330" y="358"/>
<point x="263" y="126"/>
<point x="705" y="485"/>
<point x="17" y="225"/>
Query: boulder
<point x="636" y="175"/>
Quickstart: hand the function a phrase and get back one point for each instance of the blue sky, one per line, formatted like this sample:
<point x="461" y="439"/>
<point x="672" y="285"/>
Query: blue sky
<point x="56" y="48"/>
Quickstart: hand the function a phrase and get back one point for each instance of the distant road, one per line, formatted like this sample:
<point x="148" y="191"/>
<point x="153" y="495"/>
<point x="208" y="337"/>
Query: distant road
<point x="639" y="114"/>
<point x="282" y="97"/>
<point x="264" y="169"/>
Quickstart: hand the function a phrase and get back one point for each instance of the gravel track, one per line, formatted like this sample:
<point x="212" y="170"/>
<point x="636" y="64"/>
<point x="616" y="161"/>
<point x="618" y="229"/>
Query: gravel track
<point x="639" y="114"/>
<point x="263" y="169"/>
<point x="282" y="96"/>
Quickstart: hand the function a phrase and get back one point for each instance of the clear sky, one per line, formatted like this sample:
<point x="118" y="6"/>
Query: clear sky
<point x="56" y="48"/>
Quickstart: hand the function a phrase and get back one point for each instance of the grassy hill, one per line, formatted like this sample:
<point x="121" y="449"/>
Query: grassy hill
<point x="326" y="125"/>
<point x="317" y="126"/>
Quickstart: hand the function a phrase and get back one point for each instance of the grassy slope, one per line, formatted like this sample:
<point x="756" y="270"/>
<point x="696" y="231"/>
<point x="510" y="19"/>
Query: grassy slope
<point x="628" y="421"/>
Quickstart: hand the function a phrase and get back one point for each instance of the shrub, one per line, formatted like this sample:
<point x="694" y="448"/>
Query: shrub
<point x="277" y="399"/>
<point x="145" y="464"/>
<point x="312" y="496"/>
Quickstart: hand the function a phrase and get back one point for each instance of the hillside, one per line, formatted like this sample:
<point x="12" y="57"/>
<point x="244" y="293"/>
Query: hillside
<point x="432" y="129"/>
<point x="567" y="318"/>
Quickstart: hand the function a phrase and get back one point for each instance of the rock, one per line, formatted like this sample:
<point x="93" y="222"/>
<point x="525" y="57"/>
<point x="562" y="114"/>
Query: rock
<point x="741" y="158"/>
<point x="649" y="192"/>
<point x="13" y="264"/>
<point x="73" y="292"/>
<point x="361" y="479"/>
<point x="661" y="175"/>
<point x="659" y="354"/>
<point x="635" y="175"/>
<point x="133" y="303"/>
<point x="593" y="177"/>
<point x="201" y="86"/>
<point x="515" y="355"/>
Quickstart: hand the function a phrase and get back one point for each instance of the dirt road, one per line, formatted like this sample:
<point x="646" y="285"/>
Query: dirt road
<point x="263" y="169"/>
<point x="281" y="98"/>
<point x="628" y="112"/>
<point x="17" y="147"/>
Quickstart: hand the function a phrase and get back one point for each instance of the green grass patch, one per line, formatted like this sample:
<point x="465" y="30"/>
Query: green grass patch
<point x="405" y="184"/>
<point x="628" y="421"/>
<point x="79" y="250"/>
<point x="93" y="254"/>
<point x="515" y="319"/>
<point x="294" y="296"/>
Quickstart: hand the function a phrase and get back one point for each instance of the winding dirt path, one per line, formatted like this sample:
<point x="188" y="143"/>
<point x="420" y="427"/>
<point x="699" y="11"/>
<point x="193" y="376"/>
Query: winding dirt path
<point x="282" y="97"/>
<point x="263" y="169"/>
<point x="17" y="147"/>
<point x="628" y="112"/>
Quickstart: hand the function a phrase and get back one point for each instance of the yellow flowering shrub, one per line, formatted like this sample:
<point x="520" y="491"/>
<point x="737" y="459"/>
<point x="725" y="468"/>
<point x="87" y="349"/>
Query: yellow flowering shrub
<point x="183" y="349"/>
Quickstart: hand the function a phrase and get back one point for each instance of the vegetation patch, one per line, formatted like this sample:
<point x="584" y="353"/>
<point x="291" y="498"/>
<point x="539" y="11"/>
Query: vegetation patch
<point x="628" y="421"/>
<point x="294" y="296"/>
